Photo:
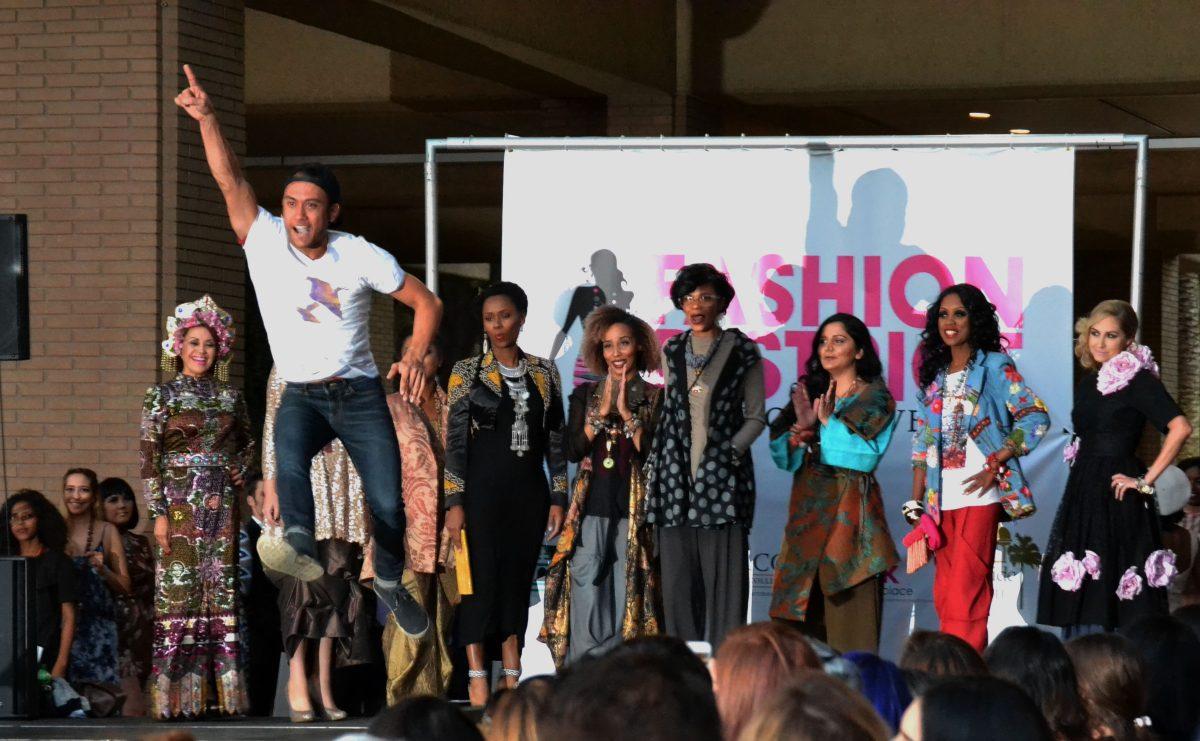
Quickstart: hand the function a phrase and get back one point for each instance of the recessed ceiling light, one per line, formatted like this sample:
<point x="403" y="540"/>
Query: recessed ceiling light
<point x="1018" y="131"/>
<point x="979" y="114"/>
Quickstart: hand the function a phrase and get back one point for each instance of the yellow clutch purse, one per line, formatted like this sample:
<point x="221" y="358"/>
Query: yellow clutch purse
<point x="462" y="565"/>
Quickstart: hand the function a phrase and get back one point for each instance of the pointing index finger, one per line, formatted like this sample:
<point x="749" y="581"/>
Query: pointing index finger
<point x="191" y="76"/>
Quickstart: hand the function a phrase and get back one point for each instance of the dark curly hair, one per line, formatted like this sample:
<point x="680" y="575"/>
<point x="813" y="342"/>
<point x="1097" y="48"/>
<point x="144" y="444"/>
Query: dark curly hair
<point x="51" y="527"/>
<point x="691" y="277"/>
<point x="934" y="354"/>
<point x="509" y="290"/>
<point x="599" y="322"/>
<point x="868" y="367"/>
<point x="113" y="485"/>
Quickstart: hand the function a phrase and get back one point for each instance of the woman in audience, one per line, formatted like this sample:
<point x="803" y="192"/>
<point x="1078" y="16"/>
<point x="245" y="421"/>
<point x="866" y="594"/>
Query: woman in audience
<point x="883" y="683"/>
<point x="512" y="714"/>
<point x="1112" y="684"/>
<point x="425" y="718"/>
<point x="813" y="706"/>
<point x="1170" y="652"/>
<point x="975" y="708"/>
<point x="135" y="611"/>
<point x="1036" y="661"/>
<point x="39" y="534"/>
<point x="930" y="655"/>
<point x="102" y="574"/>
<point x="836" y="544"/>
<point x="753" y="662"/>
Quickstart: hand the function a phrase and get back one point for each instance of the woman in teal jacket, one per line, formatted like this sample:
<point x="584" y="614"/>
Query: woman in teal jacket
<point x="976" y="417"/>
<point x="836" y="545"/>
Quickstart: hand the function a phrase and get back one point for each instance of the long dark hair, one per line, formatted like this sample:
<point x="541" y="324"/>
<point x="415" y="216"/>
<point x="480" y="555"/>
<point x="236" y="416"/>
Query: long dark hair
<point x="985" y="331"/>
<point x="1036" y="661"/>
<point x="1170" y="652"/>
<point x="113" y="485"/>
<point x="51" y="527"/>
<point x="868" y="367"/>
<point x="1112" y="683"/>
<point x="981" y="709"/>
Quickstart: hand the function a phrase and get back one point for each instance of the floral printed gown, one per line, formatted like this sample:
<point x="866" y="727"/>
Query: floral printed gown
<point x="194" y="432"/>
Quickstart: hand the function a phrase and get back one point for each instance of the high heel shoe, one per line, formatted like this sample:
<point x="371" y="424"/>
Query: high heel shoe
<point x="334" y="714"/>
<point x="302" y="716"/>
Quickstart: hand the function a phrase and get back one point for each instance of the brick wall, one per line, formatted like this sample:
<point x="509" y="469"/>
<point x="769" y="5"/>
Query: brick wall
<point x="120" y="222"/>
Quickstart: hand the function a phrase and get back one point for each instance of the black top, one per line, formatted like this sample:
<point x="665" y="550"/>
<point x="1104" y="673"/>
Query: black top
<point x="608" y="492"/>
<point x="54" y="584"/>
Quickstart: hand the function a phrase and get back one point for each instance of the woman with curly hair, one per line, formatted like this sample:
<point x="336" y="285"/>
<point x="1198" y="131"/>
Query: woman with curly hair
<point x="836" y="544"/>
<point x="700" y="479"/>
<point x="976" y="417"/>
<point x="1106" y="537"/>
<point x="602" y="585"/>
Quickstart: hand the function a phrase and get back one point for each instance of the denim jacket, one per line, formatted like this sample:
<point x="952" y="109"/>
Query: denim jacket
<point x="1007" y="415"/>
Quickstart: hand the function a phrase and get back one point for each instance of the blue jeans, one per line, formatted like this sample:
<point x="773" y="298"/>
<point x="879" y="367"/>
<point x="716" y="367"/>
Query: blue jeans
<point x="353" y="410"/>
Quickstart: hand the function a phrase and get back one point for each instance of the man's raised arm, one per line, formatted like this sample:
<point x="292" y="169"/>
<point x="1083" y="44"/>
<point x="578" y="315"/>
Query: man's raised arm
<point x="222" y="162"/>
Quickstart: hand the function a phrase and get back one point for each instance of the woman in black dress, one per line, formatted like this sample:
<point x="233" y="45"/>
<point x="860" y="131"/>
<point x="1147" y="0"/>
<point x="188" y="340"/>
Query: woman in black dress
<point x="1104" y="565"/>
<point x="506" y="418"/>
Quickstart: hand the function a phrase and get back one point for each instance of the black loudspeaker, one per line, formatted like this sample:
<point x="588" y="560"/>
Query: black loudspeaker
<point x="14" y="287"/>
<point x="18" y="662"/>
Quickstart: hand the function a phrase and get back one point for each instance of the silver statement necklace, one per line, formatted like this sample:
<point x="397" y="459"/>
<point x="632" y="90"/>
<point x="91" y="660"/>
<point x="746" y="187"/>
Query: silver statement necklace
<point x="518" y="391"/>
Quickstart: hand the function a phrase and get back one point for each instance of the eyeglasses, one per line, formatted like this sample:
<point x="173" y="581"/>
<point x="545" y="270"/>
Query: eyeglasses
<point x="704" y="299"/>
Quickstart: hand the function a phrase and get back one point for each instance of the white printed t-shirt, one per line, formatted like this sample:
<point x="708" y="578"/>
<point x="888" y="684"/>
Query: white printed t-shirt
<point x="954" y="479"/>
<point x="317" y="312"/>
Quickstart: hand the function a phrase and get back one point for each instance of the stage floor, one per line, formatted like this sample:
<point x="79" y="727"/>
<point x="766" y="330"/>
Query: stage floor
<point x="137" y="728"/>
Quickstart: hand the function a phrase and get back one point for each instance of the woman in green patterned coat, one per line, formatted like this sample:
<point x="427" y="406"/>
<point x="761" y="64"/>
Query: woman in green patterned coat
<point x="836" y="545"/>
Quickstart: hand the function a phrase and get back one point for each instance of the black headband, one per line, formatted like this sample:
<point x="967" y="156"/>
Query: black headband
<point x="320" y="176"/>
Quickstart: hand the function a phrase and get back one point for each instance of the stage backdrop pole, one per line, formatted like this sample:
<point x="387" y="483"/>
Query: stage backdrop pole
<point x="1140" y="188"/>
<point x="431" y="245"/>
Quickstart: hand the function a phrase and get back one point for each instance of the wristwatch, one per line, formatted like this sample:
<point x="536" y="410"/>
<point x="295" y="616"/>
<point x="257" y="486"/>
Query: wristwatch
<point x="1144" y="487"/>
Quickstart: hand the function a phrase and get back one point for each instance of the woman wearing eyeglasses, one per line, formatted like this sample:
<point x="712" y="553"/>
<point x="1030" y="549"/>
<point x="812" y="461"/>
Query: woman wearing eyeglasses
<point x="700" y="478"/>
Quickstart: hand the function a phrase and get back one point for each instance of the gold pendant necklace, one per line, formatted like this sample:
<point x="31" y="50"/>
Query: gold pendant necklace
<point x="608" y="461"/>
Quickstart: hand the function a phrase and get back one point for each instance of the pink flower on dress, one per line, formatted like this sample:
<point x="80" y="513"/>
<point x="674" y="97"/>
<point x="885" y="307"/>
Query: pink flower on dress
<point x="1130" y="585"/>
<point x="1118" y="371"/>
<point x="1071" y="451"/>
<point x="1160" y="567"/>
<point x="1091" y="563"/>
<point x="1068" y="572"/>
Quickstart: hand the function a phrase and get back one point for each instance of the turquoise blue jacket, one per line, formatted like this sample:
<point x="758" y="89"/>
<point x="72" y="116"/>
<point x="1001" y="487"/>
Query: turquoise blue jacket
<point x="1007" y="415"/>
<point x="840" y="447"/>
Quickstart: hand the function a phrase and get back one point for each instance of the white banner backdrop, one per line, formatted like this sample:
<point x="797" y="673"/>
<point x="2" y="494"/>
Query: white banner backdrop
<point x="875" y="232"/>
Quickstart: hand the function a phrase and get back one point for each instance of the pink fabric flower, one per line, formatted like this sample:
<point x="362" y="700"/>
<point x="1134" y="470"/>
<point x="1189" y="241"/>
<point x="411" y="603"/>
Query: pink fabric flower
<point x="1160" y="567"/>
<point x="1091" y="564"/>
<point x="1071" y="451"/>
<point x="1068" y="572"/>
<point x="1130" y="585"/>
<point x="1118" y="371"/>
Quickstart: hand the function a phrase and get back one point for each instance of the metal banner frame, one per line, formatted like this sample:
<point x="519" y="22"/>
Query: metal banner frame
<point x="1080" y="141"/>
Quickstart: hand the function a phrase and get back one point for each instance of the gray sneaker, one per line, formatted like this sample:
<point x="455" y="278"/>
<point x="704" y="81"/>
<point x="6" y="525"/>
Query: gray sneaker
<point x="410" y="616"/>
<point x="279" y="555"/>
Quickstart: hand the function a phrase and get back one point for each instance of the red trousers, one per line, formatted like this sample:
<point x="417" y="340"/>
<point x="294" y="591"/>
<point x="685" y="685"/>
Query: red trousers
<point x="962" y="579"/>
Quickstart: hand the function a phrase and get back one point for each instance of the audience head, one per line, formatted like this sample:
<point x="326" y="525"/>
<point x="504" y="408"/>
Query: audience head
<point x="253" y="488"/>
<point x="975" y="708"/>
<point x="644" y="694"/>
<point x="1112" y="685"/>
<point x="432" y="360"/>
<point x="813" y="706"/>
<point x="883" y="684"/>
<point x="424" y="718"/>
<point x="1170" y="652"/>
<point x="29" y="515"/>
<point x="1105" y="331"/>
<point x="974" y="318"/>
<point x="1191" y="469"/>
<point x="1036" y="661"/>
<point x="930" y="655"/>
<point x="753" y="662"/>
<point x="611" y="334"/>
<point x="81" y="493"/>
<point x="671" y="650"/>
<point x="513" y="715"/>
<point x="120" y="505"/>
<point x="1189" y="615"/>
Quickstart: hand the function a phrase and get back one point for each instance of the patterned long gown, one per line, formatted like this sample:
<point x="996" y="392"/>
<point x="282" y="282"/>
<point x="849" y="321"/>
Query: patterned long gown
<point x="193" y="432"/>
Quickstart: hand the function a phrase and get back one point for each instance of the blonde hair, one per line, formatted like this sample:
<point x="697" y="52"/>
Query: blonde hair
<point x="1120" y="310"/>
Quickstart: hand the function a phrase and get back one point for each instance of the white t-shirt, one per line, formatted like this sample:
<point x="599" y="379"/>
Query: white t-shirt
<point x="317" y="312"/>
<point x="953" y="478"/>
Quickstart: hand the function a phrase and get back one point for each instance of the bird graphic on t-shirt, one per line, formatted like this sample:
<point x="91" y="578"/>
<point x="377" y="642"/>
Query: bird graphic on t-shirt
<point x="324" y="295"/>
